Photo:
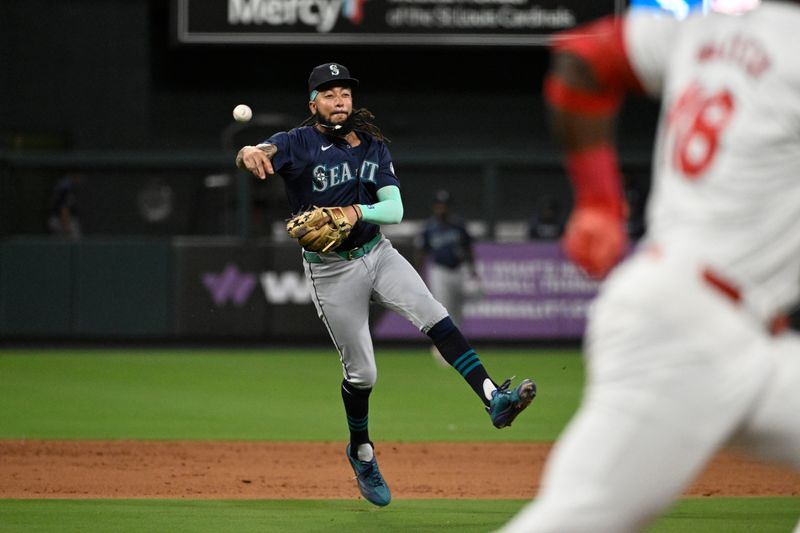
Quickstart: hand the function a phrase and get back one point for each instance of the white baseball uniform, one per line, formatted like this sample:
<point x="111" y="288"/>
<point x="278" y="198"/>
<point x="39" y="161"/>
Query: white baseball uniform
<point x="679" y="353"/>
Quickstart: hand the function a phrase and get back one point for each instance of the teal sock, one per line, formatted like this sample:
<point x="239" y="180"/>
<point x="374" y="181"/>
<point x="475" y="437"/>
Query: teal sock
<point x="456" y="350"/>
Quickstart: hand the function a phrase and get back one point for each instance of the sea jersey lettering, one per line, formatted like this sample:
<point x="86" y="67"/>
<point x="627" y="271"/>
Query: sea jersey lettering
<point x="320" y="179"/>
<point x="325" y="177"/>
<point x="367" y="172"/>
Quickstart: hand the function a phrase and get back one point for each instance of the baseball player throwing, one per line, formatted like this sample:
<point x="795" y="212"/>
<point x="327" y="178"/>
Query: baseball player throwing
<point x="684" y="349"/>
<point x="338" y="160"/>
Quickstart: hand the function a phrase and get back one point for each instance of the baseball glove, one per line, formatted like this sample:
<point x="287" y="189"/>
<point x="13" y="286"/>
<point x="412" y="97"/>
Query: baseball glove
<point x="320" y="229"/>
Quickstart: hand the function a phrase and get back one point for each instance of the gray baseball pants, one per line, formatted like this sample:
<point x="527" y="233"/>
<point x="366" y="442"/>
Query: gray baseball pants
<point x="342" y="290"/>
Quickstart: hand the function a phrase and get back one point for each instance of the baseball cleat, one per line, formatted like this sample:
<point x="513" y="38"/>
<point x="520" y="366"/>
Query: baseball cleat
<point x="506" y="404"/>
<point x="370" y="481"/>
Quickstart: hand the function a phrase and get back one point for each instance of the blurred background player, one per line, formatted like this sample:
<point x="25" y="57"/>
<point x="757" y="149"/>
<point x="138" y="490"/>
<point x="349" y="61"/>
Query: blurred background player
<point x="684" y="347"/>
<point x="547" y="222"/>
<point x="339" y="157"/>
<point x="450" y="273"/>
<point x="63" y="218"/>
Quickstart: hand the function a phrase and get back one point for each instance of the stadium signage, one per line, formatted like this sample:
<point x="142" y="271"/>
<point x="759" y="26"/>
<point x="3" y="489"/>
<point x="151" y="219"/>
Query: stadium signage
<point x="320" y="15"/>
<point x="384" y="22"/>
<point x="231" y="286"/>
<point x="529" y="291"/>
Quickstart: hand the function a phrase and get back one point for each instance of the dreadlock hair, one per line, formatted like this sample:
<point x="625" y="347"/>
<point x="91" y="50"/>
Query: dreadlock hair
<point x="361" y="119"/>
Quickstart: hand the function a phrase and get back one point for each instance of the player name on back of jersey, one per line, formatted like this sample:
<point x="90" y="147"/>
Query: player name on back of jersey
<point x="739" y="49"/>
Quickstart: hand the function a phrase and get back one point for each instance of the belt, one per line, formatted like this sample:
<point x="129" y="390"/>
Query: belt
<point x="355" y="253"/>
<point x="777" y="325"/>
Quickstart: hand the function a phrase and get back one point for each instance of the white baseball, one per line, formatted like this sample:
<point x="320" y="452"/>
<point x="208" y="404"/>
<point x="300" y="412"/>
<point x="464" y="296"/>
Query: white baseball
<point x="242" y="113"/>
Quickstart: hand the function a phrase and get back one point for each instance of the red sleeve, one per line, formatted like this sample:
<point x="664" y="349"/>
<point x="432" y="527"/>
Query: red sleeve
<point x="602" y="45"/>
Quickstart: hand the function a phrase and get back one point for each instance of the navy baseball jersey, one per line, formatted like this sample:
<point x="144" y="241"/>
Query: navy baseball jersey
<point x="326" y="171"/>
<point x="446" y="242"/>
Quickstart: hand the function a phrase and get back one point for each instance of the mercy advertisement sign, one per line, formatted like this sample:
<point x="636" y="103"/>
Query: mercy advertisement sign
<point x="382" y="22"/>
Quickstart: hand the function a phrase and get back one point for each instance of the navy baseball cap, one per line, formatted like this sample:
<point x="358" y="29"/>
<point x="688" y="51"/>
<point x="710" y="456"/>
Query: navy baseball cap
<point x="329" y="73"/>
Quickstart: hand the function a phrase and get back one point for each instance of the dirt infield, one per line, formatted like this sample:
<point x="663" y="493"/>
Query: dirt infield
<point x="286" y="470"/>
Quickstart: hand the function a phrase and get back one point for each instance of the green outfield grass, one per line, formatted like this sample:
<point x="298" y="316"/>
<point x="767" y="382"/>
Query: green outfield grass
<point x="266" y="395"/>
<point x="718" y="515"/>
<point x="294" y="395"/>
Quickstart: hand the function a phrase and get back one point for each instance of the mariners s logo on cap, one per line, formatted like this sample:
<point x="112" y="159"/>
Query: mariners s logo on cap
<point x="329" y="74"/>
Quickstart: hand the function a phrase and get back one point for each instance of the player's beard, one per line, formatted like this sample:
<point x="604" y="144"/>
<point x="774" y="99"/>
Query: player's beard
<point x="339" y="129"/>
